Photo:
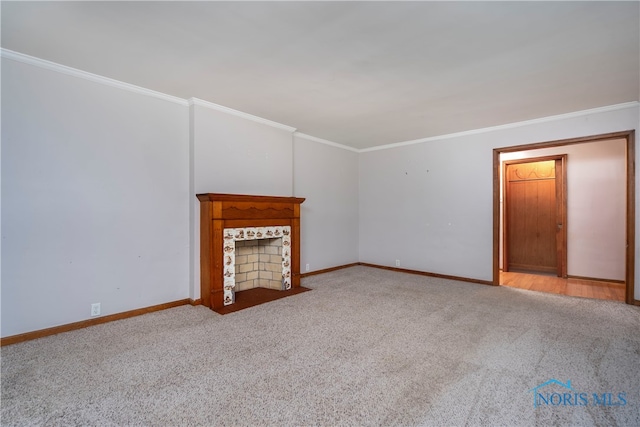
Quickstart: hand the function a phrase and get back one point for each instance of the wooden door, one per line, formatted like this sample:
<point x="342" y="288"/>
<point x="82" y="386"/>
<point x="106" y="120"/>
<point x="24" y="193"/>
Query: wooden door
<point x="534" y="216"/>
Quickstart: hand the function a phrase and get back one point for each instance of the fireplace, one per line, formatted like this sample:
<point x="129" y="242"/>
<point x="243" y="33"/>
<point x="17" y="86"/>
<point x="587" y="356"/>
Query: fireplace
<point x="256" y="257"/>
<point x="245" y="242"/>
<point x="258" y="264"/>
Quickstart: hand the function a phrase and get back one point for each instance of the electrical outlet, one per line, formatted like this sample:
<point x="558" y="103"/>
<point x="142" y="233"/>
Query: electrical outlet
<point x="307" y="268"/>
<point x="95" y="309"/>
<point x="397" y="263"/>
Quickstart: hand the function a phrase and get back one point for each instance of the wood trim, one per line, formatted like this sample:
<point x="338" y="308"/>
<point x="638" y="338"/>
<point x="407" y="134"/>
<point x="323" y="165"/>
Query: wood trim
<point x="216" y="292"/>
<point x="206" y="234"/>
<point x="496" y="218"/>
<point x="399" y="270"/>
<point x="631" y="215"/>
<point x="535" y="159"/>
<point x="27" y="336"/>
<point x="242" y="223"/>
<point x="219" y="197"/>
<point x="596" y="279"/>
<point x="327" y="270"/>
<point x="426" y="273"/>
<point x="195" y="302"/>
<point x="505" y="217"/>
<point x="295" y="246"/>
<point x="564" y="236"/>
<point x="629" y="135"/>
<point x="562" y="142"/>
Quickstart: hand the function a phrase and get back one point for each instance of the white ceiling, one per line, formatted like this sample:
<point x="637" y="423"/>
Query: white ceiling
<point x="357" y="73"/>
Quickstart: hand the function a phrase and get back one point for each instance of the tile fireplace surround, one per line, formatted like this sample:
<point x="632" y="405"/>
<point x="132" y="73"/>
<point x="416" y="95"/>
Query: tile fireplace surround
<point x="228" y="218"/>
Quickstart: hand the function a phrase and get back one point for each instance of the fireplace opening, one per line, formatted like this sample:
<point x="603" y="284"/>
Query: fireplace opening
<point x="256" y="257"/>
<point x="259" y="264"/>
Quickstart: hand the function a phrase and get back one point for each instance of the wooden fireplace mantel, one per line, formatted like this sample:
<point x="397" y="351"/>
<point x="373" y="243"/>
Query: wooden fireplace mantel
<point x="220" y="211"/>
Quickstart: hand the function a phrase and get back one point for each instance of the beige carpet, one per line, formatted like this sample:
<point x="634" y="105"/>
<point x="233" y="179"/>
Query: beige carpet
<point x="367" y="347"/>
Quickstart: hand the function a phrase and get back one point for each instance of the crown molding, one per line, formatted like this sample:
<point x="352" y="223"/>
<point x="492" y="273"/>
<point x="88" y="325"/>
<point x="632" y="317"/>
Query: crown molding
<point x="63" y="69"/>
<point x="326" y="142"/>
<point x="574" y="114"/>
<point x="222" y="108"/>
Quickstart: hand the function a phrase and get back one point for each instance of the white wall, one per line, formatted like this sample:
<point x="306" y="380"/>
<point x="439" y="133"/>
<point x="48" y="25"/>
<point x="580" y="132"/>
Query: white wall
<point x="430" y="204"/>
<point x="235" y="155"/>
<point x="99" y="183"/>
<point x="596" y="206"/>
<point x="98" y="189"/>
<point x="241" y="155"/>
<point x="328" y="178"/>
<point x="95" y="199"/>
<point x="425" y="205"/>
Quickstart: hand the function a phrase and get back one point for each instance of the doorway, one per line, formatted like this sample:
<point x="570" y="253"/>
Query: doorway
<point x="535" y="215"/>
<point x="629" y="194"/>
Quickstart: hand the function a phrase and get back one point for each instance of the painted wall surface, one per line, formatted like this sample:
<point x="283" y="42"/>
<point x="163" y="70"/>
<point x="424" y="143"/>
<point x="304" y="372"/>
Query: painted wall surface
<point x="94" y="199"/>
<point x="429" y="204"/>
<point x="596" y="206"/>
<point x="328" y="178"/>
<point x="426" y="205"/>
<point x="235" y="155"/>
<point x="99" y="183"/>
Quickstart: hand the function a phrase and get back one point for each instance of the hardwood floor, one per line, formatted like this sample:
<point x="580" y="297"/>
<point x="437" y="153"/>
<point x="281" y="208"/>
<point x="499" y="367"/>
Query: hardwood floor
<point x="557" y="285"/>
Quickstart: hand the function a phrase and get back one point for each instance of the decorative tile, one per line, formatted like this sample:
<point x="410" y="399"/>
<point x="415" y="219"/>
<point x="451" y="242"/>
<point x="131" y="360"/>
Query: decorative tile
<point x="231" y="235"/>
<point x="229" y="297"/>
<point x="229" y="284"/>
<point x="229" y="255"/>
<point x="229" y="247"/>
<point x="229" y="271"/>
<point x="238" y="234"/>
<point x="229" y="259"/>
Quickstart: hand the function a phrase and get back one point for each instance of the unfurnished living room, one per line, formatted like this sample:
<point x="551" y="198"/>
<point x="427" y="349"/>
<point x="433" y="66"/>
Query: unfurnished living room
<point x="319" y="213"/>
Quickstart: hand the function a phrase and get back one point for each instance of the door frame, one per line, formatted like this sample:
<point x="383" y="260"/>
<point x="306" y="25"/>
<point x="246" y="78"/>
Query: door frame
<point x="561" y="210"/>
<point x="630" y="223"/>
